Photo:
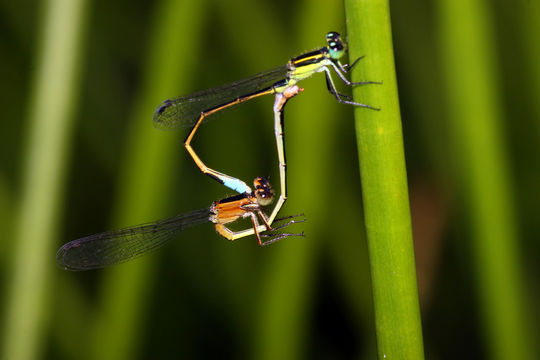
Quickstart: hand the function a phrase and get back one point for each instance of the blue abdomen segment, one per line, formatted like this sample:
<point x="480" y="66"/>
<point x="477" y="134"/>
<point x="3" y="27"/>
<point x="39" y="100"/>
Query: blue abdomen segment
<point x="236" y="185"/>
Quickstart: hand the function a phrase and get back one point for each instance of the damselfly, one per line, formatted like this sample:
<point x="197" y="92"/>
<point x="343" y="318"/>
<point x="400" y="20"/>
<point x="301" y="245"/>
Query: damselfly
<point x="192" y="109"/>
<point x="117" y="246"/>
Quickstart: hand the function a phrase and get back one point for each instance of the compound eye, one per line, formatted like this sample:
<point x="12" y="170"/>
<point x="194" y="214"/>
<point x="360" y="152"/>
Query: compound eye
<point x="336" y="47"/>
<point x="264" y="197"/>
<point x="332" y="36"/>
<point x="263" y="191"/>
<point x="261" y="182"/>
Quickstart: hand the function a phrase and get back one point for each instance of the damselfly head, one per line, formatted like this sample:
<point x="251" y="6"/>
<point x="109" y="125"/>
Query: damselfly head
<point x="263" y="191"/>
<point x="336" y="47"/>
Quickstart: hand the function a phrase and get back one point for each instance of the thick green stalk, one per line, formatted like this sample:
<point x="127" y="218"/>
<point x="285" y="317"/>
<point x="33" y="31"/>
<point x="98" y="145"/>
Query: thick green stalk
<point x="51" y="107"/>
<point x="469" y="58"/>
<point x="384" y="184"/>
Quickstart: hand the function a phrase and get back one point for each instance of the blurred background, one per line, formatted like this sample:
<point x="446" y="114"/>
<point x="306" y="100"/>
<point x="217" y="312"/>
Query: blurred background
<point x="79" y="155"/>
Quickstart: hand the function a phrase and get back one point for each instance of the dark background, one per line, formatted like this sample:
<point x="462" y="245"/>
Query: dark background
<point x="201" y="296"/>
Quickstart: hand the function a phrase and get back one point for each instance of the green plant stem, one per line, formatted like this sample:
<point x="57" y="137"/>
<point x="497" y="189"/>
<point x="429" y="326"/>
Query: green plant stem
<point x="469" y="61"/>
<point x="51" y="108"/>
<point x="384" y="184"/>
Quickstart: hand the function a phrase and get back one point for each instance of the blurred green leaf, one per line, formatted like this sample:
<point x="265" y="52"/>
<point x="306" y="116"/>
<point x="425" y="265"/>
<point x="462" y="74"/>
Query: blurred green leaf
<point x="472" y="85"/>
<point x="52" y="102"/>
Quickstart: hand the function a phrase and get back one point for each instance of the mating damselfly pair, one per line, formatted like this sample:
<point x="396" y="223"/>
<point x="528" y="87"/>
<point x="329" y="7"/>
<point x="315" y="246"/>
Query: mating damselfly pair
<point x="113" y="247"/>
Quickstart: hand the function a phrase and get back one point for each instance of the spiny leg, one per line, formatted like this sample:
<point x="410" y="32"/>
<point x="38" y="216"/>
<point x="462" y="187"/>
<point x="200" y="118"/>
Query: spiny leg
<point x="277" y="236"/>
<point x="333" y="91"/>
<point x="350" y="83"/>
<point x="290" y="217"/>
<point x="289" y="222"/>
<point x="346" y="67"/>
<point x="259" y="231"/>
<point x="255" y="224"/>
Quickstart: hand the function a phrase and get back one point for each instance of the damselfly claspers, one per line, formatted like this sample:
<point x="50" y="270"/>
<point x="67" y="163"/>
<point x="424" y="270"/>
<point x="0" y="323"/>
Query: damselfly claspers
<point x="191" y="110"/>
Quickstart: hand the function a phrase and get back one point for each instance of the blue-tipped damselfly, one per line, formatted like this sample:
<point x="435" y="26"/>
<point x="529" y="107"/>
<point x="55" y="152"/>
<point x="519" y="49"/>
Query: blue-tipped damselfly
<point x="118" y="246"/>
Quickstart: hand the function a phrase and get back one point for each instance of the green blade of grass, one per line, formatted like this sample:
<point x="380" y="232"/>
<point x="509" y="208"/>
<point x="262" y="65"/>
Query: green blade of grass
<point x="51" y="107"/>
<point x="146" y="178"/>
<point x="289" y="281"/>
<point x="384" y="184"/>
<point x="528" y="14"/>
<point x="468" y="51"/>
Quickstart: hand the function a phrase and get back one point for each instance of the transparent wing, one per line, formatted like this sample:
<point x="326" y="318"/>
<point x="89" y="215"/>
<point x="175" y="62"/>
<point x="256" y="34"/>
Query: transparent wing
<point x="114" y="247"/>
<point x="184" y="111"/>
